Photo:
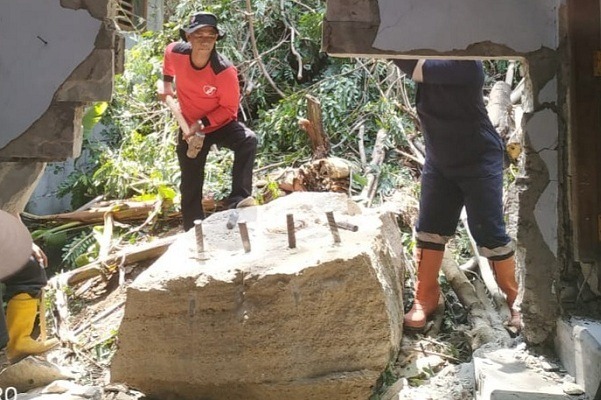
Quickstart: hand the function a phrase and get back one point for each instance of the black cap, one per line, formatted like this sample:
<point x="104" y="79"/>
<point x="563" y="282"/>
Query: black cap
<point x="200" y="20"/>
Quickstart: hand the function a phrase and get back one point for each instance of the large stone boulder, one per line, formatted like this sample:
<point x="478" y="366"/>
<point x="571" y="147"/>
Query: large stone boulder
<point x="318" y="321"/>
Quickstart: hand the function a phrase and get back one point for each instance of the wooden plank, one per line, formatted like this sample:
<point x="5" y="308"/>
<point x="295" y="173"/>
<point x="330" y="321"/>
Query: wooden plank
<point x="353" y="10"/>
<point x="585" y="124"/>
<point x="350" y="39"/>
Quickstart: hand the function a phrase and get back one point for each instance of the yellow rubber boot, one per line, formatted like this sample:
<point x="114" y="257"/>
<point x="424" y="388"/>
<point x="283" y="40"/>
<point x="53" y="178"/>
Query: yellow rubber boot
<point x="21" y="313"/>
<point x="427" y="290"/>
<point x="505" y="276"/>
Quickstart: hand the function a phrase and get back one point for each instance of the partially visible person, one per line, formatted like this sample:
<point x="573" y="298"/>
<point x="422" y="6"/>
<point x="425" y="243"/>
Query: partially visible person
<point x="463" y="168"/>
<point x="208" y="92"/>
<point x="22" y="272"/>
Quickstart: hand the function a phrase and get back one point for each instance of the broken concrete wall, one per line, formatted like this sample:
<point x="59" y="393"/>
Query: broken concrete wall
<point x="321" y="320"/>
<point x="529" y="31"/>
<point x="56" y="57"/>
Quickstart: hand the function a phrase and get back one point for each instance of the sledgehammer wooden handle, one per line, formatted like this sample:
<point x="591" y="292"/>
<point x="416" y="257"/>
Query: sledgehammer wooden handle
<point x="174" y="107"/>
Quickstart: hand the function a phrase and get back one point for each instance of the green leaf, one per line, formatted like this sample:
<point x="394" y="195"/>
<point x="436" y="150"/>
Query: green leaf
<point x="166" y="192"/>
<point x="92" y="116"/>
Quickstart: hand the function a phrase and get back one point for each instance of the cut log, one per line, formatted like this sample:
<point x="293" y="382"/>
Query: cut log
<point x="334" y="168"/>
<point x="323" y="175"/>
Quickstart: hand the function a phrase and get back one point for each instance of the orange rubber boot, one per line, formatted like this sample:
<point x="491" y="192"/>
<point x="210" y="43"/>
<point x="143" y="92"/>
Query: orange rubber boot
<point x="505" y="276"/>
<point x="427" y="290"/>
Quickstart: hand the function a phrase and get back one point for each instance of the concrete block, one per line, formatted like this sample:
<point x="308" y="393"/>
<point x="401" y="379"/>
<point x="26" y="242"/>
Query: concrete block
<point x="578" y="344"/>
<point x="320" y="321"/>
<point x="501" y="375"/>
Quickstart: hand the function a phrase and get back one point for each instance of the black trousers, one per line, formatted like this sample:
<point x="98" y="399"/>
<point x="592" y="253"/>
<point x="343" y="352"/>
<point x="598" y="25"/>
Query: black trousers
<point x="234" y="136"/>
<point x="30" y="279"/>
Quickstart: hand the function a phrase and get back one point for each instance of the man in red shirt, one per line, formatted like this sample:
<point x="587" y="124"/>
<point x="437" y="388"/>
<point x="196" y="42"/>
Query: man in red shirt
<point x="209" y="95"/>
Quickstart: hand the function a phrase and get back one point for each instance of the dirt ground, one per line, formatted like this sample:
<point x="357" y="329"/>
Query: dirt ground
<point x="435" y="365"/>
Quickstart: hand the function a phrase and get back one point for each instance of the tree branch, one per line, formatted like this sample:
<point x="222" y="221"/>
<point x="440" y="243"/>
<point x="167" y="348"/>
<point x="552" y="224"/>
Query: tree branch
<point x="256" y="51"/>
<point x="299" y="74"/>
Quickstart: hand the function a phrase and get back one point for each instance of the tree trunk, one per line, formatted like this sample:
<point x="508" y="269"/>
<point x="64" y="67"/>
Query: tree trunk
<point x="320" y="145"/>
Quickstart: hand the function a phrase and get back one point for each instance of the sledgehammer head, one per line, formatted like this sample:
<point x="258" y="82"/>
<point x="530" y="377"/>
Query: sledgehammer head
<point x="231" y="222"/>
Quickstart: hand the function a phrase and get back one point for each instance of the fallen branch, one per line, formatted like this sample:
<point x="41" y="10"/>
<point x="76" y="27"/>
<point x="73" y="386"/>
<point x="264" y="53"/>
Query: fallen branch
<point x="126" y="256"/>
<point x="434" y="353"/>
<point x="90" y="203"/>
<point x="510" y="72"/>
<point x="362" y="155"/>
<point x="497" y="320"/>
<point x="417" y="148"/>
<point x="419" y="161"/>
<point x="98" y="317"/>
<point x="499" y="108"/>
<point x="373" y="175"/>
<point x="274" y="165"/>
<point x="482" y="331"/>
<point x="516" y="94"/>
<point x="60" y="303"/>
<point x="485" y="270"/>
<point x="121" y="210"/>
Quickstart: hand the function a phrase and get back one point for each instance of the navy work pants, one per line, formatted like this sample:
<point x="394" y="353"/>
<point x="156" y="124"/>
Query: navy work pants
<point x="443" y="197"/>
<point x="234" y="136"/>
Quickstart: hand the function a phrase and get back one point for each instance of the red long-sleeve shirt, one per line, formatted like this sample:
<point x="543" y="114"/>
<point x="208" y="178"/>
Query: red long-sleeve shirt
<point x="211" y="93"/>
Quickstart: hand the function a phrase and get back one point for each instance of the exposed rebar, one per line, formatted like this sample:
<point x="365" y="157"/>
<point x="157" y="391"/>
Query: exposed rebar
<point x="244" y="235"/>
<point x="347" y="225"/>
<point x="200" y="245"/>
<point x="290" y="226"/>
<point x="333" y="226"/>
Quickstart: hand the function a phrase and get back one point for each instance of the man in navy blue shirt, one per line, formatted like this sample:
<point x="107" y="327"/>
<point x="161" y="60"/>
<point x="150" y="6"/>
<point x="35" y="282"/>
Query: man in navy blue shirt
<point x="463" y="167"/>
